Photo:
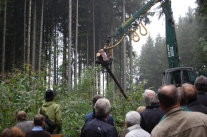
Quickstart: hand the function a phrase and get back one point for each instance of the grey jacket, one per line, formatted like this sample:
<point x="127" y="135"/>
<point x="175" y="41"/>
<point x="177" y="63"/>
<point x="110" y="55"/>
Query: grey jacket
<point x="25" y="125"/>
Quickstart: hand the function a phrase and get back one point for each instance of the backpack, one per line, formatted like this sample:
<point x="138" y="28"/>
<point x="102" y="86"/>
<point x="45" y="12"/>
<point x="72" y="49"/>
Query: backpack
<point x="49" y="125"/>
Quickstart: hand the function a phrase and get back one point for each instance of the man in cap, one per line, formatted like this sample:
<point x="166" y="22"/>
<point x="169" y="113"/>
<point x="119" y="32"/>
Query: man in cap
<point x="51" y="110"/>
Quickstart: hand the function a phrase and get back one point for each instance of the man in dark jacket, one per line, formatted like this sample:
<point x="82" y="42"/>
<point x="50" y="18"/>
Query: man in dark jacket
<point x="193" y="103"/>
<point x="99" y="127"/>
<point x="151" y="116"/>
<point x="91" y="115"/>
<point x="201" y="86"/>
<point x="37" y="131"/>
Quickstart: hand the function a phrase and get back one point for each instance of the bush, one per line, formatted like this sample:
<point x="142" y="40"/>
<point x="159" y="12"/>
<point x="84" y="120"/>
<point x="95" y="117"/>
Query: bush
<point x="23" y="90"/>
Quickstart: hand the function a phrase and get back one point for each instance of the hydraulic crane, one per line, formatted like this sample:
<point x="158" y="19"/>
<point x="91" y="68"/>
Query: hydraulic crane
<point x="174" y="74"/>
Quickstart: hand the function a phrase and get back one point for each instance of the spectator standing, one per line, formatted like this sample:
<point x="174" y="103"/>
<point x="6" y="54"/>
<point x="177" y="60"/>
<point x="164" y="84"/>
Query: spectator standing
<point x="91" y="115"/>
<point x="132" y="121"/>
<point x="37" y="131"/>
<point x="99" y="127"/>
<point x="52" y="110"/>
<point x="151" y="116"/>
<point x="183" y="102"/>
<point x="193" y="103"/>
<point x="178" y="123"/>
<point x="201" y="86"/>
<point x="12" y="132"/>
<point x="23" y="123"/>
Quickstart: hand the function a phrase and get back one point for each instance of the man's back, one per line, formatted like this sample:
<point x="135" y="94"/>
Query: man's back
<point x="202" y="97"/>
<point x="98" y="128"/>
<point x="25" y="126"/>
<point x="181" y="124"/>
<point x="196" y="106"/>
<point x="41" y="133"/>
<point x="151" y="116"/>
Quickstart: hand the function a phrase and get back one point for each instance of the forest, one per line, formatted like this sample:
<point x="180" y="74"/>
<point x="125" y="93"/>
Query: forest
<point x="53" y="44"/>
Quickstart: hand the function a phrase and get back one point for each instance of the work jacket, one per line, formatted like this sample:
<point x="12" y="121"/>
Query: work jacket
<point x="98" y="128"/>
<point x="52" y="110"/>
<point x="179" y="123"/>
<point x="151" y="116"/>
<point x="197" y="107"/>
<point x="25" y="125"/>
<point x="202" y="97"/>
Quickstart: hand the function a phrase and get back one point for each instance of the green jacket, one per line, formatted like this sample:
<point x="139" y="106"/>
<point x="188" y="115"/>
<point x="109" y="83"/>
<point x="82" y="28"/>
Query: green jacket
<point x="53" y="112"/>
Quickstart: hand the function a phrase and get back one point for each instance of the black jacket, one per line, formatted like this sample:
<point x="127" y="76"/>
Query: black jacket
<point x="41" y="133"/>
<point x="202" y="97"/>
<point x="98" y="128"/>
<point x="197" y="106"/>
<point x="151" y="116"/>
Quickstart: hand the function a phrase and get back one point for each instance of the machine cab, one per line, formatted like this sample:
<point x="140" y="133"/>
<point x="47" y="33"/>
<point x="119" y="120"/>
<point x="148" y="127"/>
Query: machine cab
<point x="180" y="75"/>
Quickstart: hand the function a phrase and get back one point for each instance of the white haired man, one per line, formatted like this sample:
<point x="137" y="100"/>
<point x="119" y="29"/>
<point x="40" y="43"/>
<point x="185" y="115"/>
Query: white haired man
<point x="132" y="121"/>
<point x="99" y="126"/>
<point x="151" y="116"/>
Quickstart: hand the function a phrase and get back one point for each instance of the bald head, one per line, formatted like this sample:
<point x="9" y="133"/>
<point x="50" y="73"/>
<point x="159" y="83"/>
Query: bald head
<point x="168" y="96"/>
<point x="190" y="91"/>
<point x="150" y="97"/>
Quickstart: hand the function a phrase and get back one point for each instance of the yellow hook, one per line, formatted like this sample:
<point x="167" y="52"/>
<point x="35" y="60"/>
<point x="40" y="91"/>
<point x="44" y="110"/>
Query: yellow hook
<point x="134" y="33"/>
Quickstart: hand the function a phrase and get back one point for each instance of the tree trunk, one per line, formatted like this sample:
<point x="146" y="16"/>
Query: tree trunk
<point x="41" y="32"/>
<point x="64" y="54"/>
<point x="4" y="42"/>
<point x="69" y="43"/>
<point x="124" y="53"/>
<point x="76" y="47"/>
<point x="34" y="37"/>
<point x="131" y="63"/>
<point x="25" y="27"/>
<point x="55" y="62"/>
<point x="87" y="36"/>
<point x="93" y="27"/>
<point x="93" y="50"/>
<point x="28" y="33"/>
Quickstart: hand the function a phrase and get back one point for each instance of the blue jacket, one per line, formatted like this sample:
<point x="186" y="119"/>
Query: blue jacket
<point x="98" y="128"/>
<point x="89" y="117"/>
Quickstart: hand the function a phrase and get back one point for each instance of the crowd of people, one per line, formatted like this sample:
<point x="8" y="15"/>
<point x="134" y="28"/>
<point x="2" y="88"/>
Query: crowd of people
<point x="50" y="111"/>
<point x="170" y="112"/>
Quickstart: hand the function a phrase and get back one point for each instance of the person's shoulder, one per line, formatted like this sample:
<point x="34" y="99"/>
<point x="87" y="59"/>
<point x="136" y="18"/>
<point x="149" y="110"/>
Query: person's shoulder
<point x="157" y="131"/>
<point x="45" y="132"/>
<point x="28" y="133"/>
<point x="88" y="116"/>
<point x="196" y="114"/>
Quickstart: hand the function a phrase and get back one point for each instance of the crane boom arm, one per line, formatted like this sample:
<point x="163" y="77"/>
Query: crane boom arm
<point x="126" y="25"/>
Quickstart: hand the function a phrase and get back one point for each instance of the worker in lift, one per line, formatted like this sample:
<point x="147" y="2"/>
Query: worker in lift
<point x="102" y="58"/>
